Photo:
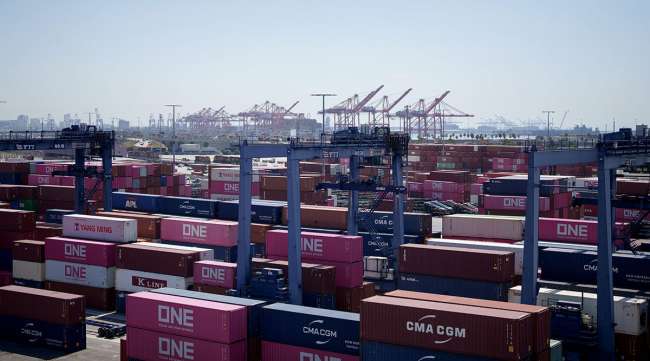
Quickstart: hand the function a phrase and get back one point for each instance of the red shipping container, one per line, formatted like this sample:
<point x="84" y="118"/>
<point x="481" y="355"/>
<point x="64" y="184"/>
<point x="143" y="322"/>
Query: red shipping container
<point x="320" y="217"/>
<point x="42" y="305"/>
<point x="349" y="299"/>
<point x="317" y="246"/>
<point x="513" y="203"/>
<point x="541" y="315"/>
<point x="213" y="233"/>
<point x="38" y="179"/>
<point x="445" y="196"/>
<point x="632" y="187"/>
<point x="148" y="225"/>
<point x="29" y="250"/>
<point x="215" y="273"/>
<point x="472" y="264"/>
<point x="442" y="186"/>
<point x="45" y="230"/>
<point x="167" y="261"/>
<point x="17" y="221"/>
<point x="97" y="298"/>
<point x="499" y="334"/>
<point x="273" y="351"/>
<point x="182" y="316"/>
<point x="7" y="238"/>
<point x="316" y="278"/>
<point x="216" y="290"/>
<point x="80" y="251"/>
<point x="149" y="345"/>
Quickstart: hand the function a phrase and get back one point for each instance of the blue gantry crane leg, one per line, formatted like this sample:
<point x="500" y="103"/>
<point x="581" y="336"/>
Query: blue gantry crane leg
<point x="293" y="223"/>
<point x="79" y="164"/>
<point x="398" y="208"/>
<point x="353" y="202"/>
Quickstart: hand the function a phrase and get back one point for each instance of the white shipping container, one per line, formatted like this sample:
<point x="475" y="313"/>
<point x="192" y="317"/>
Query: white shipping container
<point x="224" y="197"/>
<point x="136" y="281"/>
<point x="31" y="271"/>
<point x="229" y="174"/>
<point x="80" y="274"/>
<point x="630" y="314"/>
<point x="204" y="253"/>
<point x="517" y="249"/>
<point x="483" y="226"/>
<point x="413" y="158"/>
<point x="100" y="228"/>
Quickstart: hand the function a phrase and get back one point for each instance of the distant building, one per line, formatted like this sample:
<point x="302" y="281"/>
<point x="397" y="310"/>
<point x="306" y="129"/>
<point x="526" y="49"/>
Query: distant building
<point x="35" y="124"/>
<point x="641" y="130"/>
<point x="123" y="124"/>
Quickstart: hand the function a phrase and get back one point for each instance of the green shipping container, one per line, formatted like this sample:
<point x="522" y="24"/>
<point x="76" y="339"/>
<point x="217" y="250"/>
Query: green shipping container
<point x="28" y="204"/>
<point x="445" y="165"/>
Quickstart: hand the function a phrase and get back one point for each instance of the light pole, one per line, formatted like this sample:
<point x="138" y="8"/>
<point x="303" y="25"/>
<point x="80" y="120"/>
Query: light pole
<point x="548" y="121"/>
<point x="323" y="95"/>
<point x="173" y="134"/>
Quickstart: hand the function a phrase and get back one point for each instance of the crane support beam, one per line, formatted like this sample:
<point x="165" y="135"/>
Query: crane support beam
<point x="390" y="107"/>
<point x="436" y="101"/>
<point x="365" y="100"/>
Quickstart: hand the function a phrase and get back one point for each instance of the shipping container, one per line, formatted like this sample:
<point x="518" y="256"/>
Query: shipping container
<point x="170" y="261"/>
<point x="153" y="346"/>
<point x="213" y="233"/>
<point x="572" y="230"/>
<point x="483" y="226"/>
<point x="29" y="251"/>
<point x="253" y="307"/>
<point x="349" y="299"/>
<point x="317" y="246"/>
<point x="56" y="215"/>
<point x="137" y="202"/>
<point x="321" y="329"/>
<point x="578" y="266"/>
<point x="29" y="271"/>
<point x="100" y="228"/>
<point x="466" y="263"/>
<point x="28" y="283"/>
<point x="630" y="314"/>
<point x="225" y="254"/>
<point x="182" y="316"/>
<point x="496" y="291"/>
<point x="96" y="298"/>
<point x="516" y="249"/>
<point x="262" y="211"/>
<point x="41" y="305"/>
<point x="204" y="253"/>
<point x="215" y="273"/>
<point x="380" y="244"/>
<point x="316" y="279"/>
<point x="510" y="203"/>
<point x="80" y="274"/>
<point x="500" y="334"/>
<point x="541" y="315"/>
<point x="17" y="220"/>
<point x="80" y="251"/>
<point x="193" y="207"/>
<point x="517" y="185"/>
<point x="380" y="351"/>
<point x="217" y="290"/>
<point x="135" y="281"/>
<point x="148" y="226"/>
<point x="320" y="216"/>
<point x="273" y="351"/>
<point x="36" y="333"/>
<point x="382" y="222"/>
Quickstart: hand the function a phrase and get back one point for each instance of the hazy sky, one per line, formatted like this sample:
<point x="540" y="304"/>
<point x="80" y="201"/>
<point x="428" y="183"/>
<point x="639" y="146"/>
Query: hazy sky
<point x="511" y="58"/>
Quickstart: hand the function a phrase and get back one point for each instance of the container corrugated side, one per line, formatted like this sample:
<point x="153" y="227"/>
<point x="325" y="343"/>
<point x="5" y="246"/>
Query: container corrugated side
<point x="211" y="321"/>
<point x="317" y="246"/>
<point x="379" y="351"/>
<point x="454" y="286"/>
<point x="328" y="330"/>
<point x="80" y="251"/>
<point x="135" y="281"/>
<point x="477" y="331"/>
<point x="215" y="273"/>
<point x="483" y="226"/>
<point x="136" y="202"/>
<point x="213" y="233"/>
<point x="169" y="261"/>
<point x="204" y="253"/>
<point x="148" y="345"/>
<point x="516" y="249"/>
<point x="68" y="338"/>
<point x="273" y="351"/>
<point x="30" y="271"/>
<point x="80" y="274"/>
<point x="42" y="305"/>
<point x="100" y="228"/>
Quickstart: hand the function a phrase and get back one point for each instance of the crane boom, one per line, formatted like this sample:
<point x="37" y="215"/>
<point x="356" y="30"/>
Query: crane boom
<point x="365" y="100"/>
<point x="436" y="102"/>
<point x="390" y="107"/>
<point x="292" y="106"/>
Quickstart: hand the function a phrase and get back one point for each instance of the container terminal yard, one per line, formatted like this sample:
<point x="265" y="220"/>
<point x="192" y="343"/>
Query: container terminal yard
<point x="324" y="181"/>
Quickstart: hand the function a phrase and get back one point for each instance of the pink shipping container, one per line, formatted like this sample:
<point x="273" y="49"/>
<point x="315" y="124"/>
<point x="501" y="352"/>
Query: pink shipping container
<point x="571" y="230"/>
<point x="100" y="228"/>
<point x="122" y="182"/>
<point x="415" y="186"/>
<point x="348" y="275"/>
<point x="153" y="346"/>
<point x="464" y="226"/>
<point x="39" y="179"/>
<point x="206" y="320"/>
<point x="65" y="180"/>
<point x="476" y="188"/>
<point x="627" y="214"/>
<point x="273" y="351"/>
<point x="48" y="168"/>
<point x="213" y="233"/>
<point x="215" y="273"/>
<point x="445" y="196"/>
<point x="442" y="186"/>
<point x="317" y="246"/>
<point x="80" y="251"/>
<point x="513" y="203"/>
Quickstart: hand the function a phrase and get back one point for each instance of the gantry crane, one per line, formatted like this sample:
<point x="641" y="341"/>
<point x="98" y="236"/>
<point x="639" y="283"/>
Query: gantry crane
<point x="347" y="113"/>
<point x="427" y="119"/>
<point x="379" y="113"/>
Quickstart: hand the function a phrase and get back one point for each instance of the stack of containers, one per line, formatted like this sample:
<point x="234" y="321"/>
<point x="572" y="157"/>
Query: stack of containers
<point x="161" y="326"/>
<point x="412" y="329"/>
<point x="507" y="195"/>
<point x="291" y="332"/>
<point x="43" y="318"/>
<point x="214" y="276"/>
<point x="274" y="188"/>
<point x="148" y="225"/>
<point x="141" y="267"/>
<point x="343" y="252"/>
<point x="45" y="230"/>
<point x="218" y="235"/>
<point x="265" y="212"/>
<point x="55" y="197"/>
<point x="82" y="267"/>
<point x="14" y="225"/>
<point x="29" y="263"/>
<point x="188" y="207"/>
<point x="448" y="185"/>
<point x="14" y="172"/>
<point x="506" y="229"/>
<point x="224" y="183"/>
<point x="461" y="272"/>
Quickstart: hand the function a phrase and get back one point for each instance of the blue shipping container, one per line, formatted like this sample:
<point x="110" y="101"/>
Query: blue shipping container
<point x="543" y="244"/>
<point x="267" y="212"/>
<point x="136" y="202"/>
<point x="225" y="254"/>
<point x="56" y="215"/>
<point x="39" y="333"/>
<point x="6" y="260"/>
<point x="307" y="229"/>
<point x="316" y="328"/>
<point x="120" y="302"/>
<point x="454" y="286"/>
<point x="258" y="250"/>
<point x="577" y="266"/>
<point x="253" y="307"/>
<point x="380" y="245"/>
<point x="194" y="207"/>
<point x="28" y="283"/>
<point x="10" y="178"/>
<point x="382" y="221"/>
<point x="378" y="351"/>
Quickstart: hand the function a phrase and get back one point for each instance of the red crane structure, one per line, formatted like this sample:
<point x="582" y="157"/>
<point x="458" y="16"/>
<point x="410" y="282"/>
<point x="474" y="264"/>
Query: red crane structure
<point x="347" y="113"/>
<point x="426" y="119"/>
<point x="379" y="112"/>
<point x="207" y="119"/>
<point x="269" y="117"/>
